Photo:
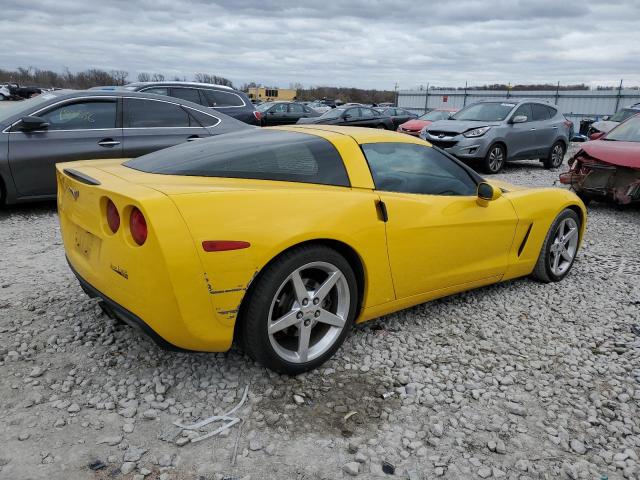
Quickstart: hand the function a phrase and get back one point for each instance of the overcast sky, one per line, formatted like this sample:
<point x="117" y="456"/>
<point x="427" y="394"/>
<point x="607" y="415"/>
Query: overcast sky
<point x="359" y="43"/>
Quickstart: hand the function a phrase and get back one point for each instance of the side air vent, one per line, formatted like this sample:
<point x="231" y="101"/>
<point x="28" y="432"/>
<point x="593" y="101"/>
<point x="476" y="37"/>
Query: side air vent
<point x="524" y="240"/>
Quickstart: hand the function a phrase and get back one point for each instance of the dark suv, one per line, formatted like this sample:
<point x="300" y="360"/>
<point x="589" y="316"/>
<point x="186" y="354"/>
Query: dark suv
<point x="225" y="99"/>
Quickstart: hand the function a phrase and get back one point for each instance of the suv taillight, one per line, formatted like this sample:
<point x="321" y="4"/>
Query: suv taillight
<point x="113" y="217"/>
<point x="257" y="114"/>
<point x="138" y="226"/>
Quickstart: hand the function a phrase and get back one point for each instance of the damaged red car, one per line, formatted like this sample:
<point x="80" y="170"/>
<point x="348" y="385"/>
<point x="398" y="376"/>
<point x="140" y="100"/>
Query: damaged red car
<point x="608" y="166"/>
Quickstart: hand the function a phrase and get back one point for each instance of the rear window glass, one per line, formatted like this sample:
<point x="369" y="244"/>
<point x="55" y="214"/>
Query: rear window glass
<point x="262" y="154"/>
<point x="216" y="98"/>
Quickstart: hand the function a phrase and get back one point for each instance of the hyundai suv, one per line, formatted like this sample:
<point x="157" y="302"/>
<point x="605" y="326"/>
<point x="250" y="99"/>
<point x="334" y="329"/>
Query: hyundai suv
<point x="495" y="132"/>
<point x="225" y="99"/>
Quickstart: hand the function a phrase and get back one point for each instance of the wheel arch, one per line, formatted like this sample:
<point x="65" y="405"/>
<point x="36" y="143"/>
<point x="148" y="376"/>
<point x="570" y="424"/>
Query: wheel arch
<point x="503" y="144"/>
<point x="344" y="249"/>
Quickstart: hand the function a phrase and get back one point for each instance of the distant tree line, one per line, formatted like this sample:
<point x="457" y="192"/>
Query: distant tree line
<point x="92" y="78"/>
<point x="502" y="86"/>
<point x="357" y="95"/>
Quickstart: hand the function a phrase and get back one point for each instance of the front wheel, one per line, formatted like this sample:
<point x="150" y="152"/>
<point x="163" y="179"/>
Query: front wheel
<point x="301" y="309"/>
<point x="556" y="156"/>
<point x="559" y="248"/>
<point x="495" y="159"/>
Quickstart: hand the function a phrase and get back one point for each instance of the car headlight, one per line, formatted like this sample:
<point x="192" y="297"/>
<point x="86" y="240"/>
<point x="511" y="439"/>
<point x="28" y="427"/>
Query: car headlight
<point x="476" y="132"/>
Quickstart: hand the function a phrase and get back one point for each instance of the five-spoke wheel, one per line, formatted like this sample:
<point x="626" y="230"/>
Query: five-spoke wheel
<point x="300" y="310"/>
<point x="559" y="248"/>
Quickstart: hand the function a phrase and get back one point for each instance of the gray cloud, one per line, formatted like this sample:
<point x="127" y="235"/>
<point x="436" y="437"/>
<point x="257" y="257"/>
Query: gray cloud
<point x="365" y="43"/>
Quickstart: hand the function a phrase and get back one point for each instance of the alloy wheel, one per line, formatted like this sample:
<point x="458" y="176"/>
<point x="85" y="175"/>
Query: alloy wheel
<point x="564" y="247"/>
<point x="309" y="312"/>
<point x="496" y="159"/>
<point x="557" y="155"/>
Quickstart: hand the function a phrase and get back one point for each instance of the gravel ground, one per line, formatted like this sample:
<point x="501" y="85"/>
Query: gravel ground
<point x="517" y="380"/>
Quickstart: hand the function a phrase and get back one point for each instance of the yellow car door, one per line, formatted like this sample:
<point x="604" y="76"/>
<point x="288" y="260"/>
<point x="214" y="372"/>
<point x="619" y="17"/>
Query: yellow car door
<point x="438" y="234"/>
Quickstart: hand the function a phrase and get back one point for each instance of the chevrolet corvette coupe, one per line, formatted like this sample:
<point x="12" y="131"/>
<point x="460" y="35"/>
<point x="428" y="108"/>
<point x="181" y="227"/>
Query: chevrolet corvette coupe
<point x="283" y="238"/>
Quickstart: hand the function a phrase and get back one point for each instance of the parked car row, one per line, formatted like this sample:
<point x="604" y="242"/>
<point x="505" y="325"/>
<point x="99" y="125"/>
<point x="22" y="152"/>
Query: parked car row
<point x="67" y="125"/>
<point x="14" y="91"/>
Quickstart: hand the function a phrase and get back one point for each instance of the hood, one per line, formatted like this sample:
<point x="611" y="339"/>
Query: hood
<point x="624" y="154"/>
<point x="604" y="125"/>
<point x="415" y="124"/>
<point x="458" y="126"/>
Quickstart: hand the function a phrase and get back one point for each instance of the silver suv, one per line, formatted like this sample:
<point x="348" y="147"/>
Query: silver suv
<point x="494" y="132"/>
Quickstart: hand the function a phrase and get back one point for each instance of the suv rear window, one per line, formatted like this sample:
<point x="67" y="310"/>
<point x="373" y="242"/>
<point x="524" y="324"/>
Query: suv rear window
<point x="216" y="98"/>
<point x="262" y="154"/>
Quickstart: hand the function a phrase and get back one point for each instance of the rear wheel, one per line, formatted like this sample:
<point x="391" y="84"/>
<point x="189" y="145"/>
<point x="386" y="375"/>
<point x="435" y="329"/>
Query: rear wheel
<point x="301" y="309"/>
<point x="559" y="248"/>
<point x="556" y="155"/>
<point x="495" y="159"/>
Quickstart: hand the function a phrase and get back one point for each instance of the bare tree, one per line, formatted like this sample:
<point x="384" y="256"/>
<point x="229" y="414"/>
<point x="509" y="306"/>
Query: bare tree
<point x="144" y="77"/>
<point x="158" y="77"/>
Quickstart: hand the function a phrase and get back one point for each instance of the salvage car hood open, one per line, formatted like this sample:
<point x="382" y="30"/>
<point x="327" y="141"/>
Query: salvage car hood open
<point x="604" y="125"/>
<point x="458" y="126"/>
<point x="623" y="154"/>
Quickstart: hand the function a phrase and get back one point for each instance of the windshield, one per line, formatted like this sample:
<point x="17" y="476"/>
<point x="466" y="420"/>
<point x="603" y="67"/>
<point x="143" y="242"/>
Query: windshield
<point x="485" y="112"/>
<point x="9" y="109"/>
<point x="435" y="115"/>
<point x="263" y="107"/>
<point x="622" y="115"/>
<point x="628" y="131"/>
<point x="333" y="113"/>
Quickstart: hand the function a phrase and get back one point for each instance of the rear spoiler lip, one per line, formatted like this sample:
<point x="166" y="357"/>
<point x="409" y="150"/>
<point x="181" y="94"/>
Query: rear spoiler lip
<point x="81" y="177"/>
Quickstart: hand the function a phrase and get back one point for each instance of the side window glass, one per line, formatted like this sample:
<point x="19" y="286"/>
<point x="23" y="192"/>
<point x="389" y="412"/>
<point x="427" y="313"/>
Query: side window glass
<point x="82" y="116"/>
<point x="216" y="98"/>
<point x="200" y="119"/>
<point x="540" y="112"/>
<point x="280" y="108"/>
<point x="354" y="112"/>
<point x="295" y="108"/>
<point x="410" y="168"/>
<point x="157" y="90"/>
<point x="188" y="94"/>
<point x="552" y="112"/>
<point x="367" y="113"/>
<point x="140" y="113"/>
<point x="524" y="110"/>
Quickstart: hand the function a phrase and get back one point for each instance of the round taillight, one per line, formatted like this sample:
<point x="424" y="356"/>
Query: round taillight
<point x="113" y="217"/>
<point x="138" y="226"/>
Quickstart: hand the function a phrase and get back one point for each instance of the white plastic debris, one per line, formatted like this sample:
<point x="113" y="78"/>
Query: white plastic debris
<point x="227" y="417"/>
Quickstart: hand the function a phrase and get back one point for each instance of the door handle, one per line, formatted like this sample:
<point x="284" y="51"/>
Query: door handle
<point x="108" y="142"/>
<point x="192" y="138"/>
<point x="532" y="129"/>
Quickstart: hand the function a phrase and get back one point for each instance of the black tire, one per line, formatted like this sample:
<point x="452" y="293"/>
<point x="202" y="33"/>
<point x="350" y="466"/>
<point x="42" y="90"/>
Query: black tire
<point x="555" y="157"/>
<point x="543" y="270"/>
<point x="586" y="199"/>
<point x="254" y="316"/>
<point x="381" y="126"/>
<point x="495" y="159"/>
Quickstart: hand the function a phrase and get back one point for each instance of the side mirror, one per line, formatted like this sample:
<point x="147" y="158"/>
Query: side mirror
<point x="606" y="117"/>
<point x="519" y="119"/>
<point x="487" y="193"/>
<point x="596" y="135"/>
<point x="579" y="138"/>
<point x="32" y="123"/>
<point x="347" y="116"/>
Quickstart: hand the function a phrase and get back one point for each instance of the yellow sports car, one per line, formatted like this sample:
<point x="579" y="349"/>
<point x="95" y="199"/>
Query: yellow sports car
<point x="283" y="237"/>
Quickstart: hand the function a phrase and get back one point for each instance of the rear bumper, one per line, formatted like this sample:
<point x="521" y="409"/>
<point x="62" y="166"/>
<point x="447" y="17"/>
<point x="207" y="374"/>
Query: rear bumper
<point x="125" y="315"/>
